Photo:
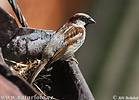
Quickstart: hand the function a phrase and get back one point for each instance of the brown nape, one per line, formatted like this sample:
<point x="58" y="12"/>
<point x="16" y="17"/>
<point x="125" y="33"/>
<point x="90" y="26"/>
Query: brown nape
<point x="75" y="17"/>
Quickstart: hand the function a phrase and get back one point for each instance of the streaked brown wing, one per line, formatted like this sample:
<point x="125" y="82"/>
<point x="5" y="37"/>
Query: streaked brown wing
<point x="58" y="55"/>
<point x="73" y="34"/>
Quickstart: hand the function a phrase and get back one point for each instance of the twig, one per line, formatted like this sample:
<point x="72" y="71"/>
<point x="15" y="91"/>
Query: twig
<point x="39" y="89"/>
<point x="24" y="86"/>
<point x="18" y="13"/>
<point x="51" y="98"/>
<point x="14" y="62"/>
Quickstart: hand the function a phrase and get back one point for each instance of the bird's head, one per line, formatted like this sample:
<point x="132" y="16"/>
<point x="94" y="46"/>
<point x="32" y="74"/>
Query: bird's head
<point x="81" y="19"/>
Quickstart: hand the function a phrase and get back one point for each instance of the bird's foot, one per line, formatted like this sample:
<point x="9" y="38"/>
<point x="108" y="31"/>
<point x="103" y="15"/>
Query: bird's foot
<point x="72" y="59"/>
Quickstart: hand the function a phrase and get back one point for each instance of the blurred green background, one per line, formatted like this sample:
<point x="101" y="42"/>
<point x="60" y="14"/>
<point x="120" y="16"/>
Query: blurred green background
<point x="109" y="58"/>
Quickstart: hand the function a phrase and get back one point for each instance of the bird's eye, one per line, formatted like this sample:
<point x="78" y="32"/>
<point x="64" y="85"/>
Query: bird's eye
<point x="83" y="18"/>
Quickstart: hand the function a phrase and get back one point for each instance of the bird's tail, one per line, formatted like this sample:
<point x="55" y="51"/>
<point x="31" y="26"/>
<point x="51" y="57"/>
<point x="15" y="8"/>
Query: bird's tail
<point x="36" y="72"/>
<point x="58" y="55"/>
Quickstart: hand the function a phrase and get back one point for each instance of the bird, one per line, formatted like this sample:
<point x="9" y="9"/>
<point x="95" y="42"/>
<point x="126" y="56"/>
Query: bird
<point x="65" y="42"/>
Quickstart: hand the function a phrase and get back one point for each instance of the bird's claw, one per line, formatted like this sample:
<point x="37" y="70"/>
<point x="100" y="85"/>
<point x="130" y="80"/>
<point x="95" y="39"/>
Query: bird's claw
<point x="72" y="59"/>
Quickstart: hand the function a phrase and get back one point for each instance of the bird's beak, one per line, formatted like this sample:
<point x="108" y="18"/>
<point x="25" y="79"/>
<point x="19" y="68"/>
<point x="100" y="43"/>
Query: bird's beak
<point x="91" y="21"/>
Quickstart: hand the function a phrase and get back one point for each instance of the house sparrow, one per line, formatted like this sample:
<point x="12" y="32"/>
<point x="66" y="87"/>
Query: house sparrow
<point x="67" y="40"/>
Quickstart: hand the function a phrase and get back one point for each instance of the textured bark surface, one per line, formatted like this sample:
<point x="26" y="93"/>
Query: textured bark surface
<point x="8" y="88"/>
<point x="68" y="79"/>
<point x="8" y="26"/>
<point x="27" y="44"/>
